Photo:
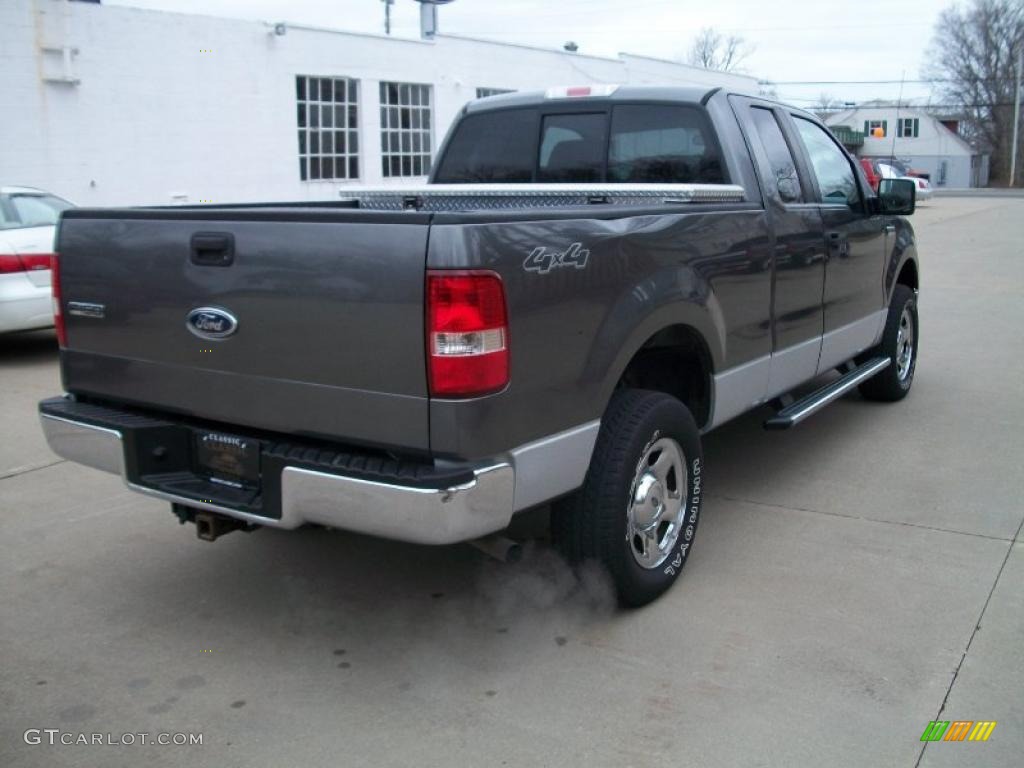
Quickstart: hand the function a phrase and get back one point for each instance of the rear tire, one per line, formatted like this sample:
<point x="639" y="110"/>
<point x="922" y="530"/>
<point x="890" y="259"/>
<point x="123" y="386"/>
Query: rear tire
<point x="900" y="342"/>
<point x="640" y="503"/>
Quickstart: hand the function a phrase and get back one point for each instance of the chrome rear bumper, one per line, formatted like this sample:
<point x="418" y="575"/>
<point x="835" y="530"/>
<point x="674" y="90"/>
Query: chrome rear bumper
<point x="447" y="515"/>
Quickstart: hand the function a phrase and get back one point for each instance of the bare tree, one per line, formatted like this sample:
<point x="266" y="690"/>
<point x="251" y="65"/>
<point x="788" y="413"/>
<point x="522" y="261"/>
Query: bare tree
<point x="767" y="90"/>
<point x="974" y="53"/>
<point x="826" y="104"/>
<point x="713" y="50"/>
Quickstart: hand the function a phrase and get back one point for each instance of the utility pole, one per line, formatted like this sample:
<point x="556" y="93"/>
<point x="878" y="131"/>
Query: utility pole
<point x="387" y="15"/>
<point x="1016" y="119"/>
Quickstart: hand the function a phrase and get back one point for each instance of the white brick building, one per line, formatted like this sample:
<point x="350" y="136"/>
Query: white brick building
<point x="118" y="105"/>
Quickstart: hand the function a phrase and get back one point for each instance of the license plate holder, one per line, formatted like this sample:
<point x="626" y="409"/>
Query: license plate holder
<point x="227" y="459"/>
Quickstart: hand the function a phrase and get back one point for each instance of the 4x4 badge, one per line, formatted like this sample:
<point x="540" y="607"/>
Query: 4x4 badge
<point x="542" y="261"/>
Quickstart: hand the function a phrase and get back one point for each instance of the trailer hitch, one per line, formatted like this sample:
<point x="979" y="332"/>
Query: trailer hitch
<point x="210" y="525"/>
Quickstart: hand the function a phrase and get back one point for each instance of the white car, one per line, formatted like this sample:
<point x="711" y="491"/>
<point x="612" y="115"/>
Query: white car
<point x="924" y="188"/>
<point x="28" y="219"/>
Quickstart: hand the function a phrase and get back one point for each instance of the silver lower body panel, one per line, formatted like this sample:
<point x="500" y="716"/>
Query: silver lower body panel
<point x="750" y="384"/>
<point x="483" y="505"/>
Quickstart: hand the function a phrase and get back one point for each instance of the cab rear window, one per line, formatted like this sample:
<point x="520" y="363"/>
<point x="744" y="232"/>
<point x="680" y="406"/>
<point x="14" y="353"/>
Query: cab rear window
<point x="572" y="149"/>
<point x="491" y="148"/>
<point x="662" y="145"/>
<point x="631" y="143"/>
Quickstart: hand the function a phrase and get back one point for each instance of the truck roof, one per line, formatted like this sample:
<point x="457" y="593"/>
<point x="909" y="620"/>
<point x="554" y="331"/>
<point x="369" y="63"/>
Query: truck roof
<point x="613" y="93"/>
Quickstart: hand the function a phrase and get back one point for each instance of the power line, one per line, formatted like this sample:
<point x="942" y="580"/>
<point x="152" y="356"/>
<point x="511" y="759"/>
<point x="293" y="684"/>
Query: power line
<point x="923" y="107"/>
<point x="830" y="27"/>
<point x="881" y="82"/>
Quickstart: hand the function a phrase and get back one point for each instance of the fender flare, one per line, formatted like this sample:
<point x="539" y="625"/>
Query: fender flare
<point x="904" y="250"/>
<point x="685" y="314"/>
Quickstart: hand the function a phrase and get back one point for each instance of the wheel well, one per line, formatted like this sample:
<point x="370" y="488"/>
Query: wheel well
<point x="908" y="275"/>
<point x="675" y="361"/>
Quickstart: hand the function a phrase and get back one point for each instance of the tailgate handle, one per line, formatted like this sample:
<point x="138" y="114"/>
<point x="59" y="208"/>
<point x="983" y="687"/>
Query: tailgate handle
<point x="213" y="249"/>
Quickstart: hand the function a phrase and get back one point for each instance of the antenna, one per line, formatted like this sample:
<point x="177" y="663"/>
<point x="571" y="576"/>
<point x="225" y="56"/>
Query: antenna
<point x="899" y="101"/>
<point x="428" y="17"/>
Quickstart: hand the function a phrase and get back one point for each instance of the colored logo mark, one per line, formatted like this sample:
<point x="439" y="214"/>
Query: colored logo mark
<point x="958" y="730"/>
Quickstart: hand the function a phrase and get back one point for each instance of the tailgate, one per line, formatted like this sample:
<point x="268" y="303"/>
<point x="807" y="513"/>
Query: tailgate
<point x="323" y="312"/>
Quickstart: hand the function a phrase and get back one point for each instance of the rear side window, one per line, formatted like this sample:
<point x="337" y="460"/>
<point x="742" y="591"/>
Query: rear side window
<point x="494" y="147"/>
<point x="662" y="145"/>
<point x="780" y="159"/>
<point x="572" y="148"/>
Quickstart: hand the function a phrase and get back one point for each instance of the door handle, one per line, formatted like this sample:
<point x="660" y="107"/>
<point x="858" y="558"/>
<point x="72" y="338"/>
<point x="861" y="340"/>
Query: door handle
<point x="213" y="249"/>
<point x="838" y="242"/>
<point x="890" y="229"/>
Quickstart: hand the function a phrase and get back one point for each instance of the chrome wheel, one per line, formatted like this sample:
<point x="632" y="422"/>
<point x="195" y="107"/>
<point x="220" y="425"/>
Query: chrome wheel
<point x="905" y="344"/>
<point x="657" y="503"/>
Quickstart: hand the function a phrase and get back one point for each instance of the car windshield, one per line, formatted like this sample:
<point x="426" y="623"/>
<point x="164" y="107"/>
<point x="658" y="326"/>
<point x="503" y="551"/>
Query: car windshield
<point x="887" y="171"/>
<point x="898" y="166"/>
<point x="31" y="210"/>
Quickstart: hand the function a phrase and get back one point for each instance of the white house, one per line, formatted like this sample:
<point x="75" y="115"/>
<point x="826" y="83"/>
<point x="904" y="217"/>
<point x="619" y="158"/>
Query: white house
<point x="920" y="139"/>
<point x="109" y="105"/>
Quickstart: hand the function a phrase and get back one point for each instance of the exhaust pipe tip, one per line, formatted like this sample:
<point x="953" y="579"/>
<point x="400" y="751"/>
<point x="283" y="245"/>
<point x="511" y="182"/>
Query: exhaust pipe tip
<point x="501" y="548"/>
<point x="514" y="553"/>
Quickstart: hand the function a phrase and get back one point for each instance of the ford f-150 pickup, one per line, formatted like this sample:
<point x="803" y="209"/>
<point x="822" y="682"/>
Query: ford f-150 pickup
<point x="591" y="280"/>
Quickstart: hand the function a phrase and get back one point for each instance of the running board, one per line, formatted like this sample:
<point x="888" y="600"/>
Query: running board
<point x="793" y="414"/>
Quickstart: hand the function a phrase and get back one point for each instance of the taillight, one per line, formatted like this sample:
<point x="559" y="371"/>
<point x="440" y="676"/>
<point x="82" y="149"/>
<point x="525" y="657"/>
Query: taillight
<point x="58" y="314"/>
<point x="467" y="333"/>
<point x="23" y="262"/>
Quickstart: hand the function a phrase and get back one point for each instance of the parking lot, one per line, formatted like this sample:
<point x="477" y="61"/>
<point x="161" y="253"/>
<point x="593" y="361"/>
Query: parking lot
<point x="853" y="579"/>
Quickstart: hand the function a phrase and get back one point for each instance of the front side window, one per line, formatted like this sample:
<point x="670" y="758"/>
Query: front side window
<point x="662" y="145"/>
<point x="405" y="129"/>
<point x="328" y="122"/>
<point x="572" y="148"/>
<point x="831" y="167"/>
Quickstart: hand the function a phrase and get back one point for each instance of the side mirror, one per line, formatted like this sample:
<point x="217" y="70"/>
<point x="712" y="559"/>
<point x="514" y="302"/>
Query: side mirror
<point x="897" y="197"/>
<point x="789" y="191"/>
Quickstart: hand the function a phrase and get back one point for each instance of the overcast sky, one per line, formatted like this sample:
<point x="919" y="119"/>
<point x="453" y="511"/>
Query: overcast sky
<point x="793" y="40"/>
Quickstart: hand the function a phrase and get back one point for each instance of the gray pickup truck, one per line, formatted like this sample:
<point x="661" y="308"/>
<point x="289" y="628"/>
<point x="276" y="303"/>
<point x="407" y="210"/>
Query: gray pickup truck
<point x="592" y="279"/>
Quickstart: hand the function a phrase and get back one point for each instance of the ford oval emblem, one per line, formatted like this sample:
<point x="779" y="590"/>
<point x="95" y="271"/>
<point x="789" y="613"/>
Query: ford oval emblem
<point x="211" y="323"/>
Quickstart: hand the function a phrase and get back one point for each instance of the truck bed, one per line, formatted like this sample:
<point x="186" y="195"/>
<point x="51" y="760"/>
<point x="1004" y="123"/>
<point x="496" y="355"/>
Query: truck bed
<point x="329" y="299"/>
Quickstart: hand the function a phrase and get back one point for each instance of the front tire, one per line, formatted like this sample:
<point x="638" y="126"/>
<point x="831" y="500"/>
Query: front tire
<point x="900" y="341"/>
<point x="640" y="503"/>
